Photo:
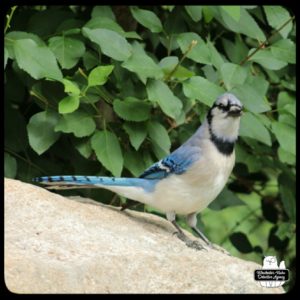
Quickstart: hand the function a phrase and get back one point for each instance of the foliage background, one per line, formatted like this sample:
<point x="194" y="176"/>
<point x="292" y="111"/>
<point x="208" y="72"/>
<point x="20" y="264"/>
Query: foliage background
<point x="107" y="90"/>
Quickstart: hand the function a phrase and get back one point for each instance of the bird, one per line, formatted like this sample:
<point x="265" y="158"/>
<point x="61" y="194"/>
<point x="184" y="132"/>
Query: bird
<point x="187" y="180"/>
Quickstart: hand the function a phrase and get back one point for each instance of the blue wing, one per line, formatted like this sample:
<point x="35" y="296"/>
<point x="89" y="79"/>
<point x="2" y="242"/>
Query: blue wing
<point x="177" y="162"/>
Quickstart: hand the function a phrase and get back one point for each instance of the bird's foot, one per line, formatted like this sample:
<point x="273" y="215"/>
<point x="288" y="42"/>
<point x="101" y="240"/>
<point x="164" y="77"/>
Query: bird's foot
<point x="190" y="243"/>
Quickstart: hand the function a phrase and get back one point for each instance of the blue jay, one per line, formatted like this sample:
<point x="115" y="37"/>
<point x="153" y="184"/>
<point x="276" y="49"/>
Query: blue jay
<point x="187" y="180"/>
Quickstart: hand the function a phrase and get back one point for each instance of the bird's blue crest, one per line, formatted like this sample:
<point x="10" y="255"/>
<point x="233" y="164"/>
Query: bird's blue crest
<point x="228" y="98"/>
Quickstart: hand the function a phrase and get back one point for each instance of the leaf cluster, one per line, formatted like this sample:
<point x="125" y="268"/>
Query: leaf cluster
<point x="108" y="89"/>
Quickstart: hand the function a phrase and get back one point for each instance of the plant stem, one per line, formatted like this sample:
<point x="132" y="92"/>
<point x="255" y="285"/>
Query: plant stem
<point x="82" y="73"/>
<point x="41" y="98"/>
<point x="169" y="45"/>
<point x="262" y="45"/>
<point x="191" y="46"/>
<point x="9" y="17"/>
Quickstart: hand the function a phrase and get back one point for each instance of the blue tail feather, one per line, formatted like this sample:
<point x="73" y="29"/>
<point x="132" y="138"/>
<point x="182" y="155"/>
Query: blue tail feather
<point x="65" y="180"/>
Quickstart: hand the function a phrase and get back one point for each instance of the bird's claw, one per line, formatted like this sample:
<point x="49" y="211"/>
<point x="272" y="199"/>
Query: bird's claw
<point x="190" y="243"/>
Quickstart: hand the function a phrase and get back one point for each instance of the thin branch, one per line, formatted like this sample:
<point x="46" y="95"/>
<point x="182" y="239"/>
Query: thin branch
<point x="191" y="46"/>
<point x="9" y="17"/>
<point x="262" y="45"/>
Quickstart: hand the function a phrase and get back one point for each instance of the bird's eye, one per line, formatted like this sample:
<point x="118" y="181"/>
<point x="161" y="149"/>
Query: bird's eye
<point x="221" y="105"/>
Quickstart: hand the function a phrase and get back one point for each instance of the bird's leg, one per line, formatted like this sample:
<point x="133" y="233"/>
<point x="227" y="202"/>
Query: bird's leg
<point x="192" y="221"/>
<point x="190" y="243"/>
<point x="202" y="236"/>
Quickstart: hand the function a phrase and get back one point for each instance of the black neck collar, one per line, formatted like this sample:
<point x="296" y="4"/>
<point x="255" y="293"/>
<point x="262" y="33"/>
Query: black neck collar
<point x="225" y="147"/>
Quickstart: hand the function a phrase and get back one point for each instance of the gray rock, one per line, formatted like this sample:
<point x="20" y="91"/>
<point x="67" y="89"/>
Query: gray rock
<point x="55" y="244"/>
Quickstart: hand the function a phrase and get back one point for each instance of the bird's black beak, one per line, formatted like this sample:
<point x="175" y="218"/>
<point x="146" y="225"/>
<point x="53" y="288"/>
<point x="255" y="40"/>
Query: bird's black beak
<point x="235" y="112"/>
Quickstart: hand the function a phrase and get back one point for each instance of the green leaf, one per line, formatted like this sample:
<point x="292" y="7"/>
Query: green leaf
<point x="68" y="104"/>
<point x="283" y="99"/>
<point x="289" y="84"/>
<point x="200" y="53"/>
<point x="286" y="103"/>
<point x="225" y="199"/>
<point x="132" y="35"/>
<point x="246" y="24"/>
<point x="132" y="109"/>
<point x="252" y="127"/>
<point x="147" y="18"/>
<point x="103" y="11"/>
<point x="236" y="51"/>
<point x="216" y="58"/>
<point x="70" y="26"/>
<point x="159" y="92"/>
<point x="201" y="89"/>
<point x="141" y="63"/>
<point x="261" y="85"/>
<point x="133" y="161"/>
<point x="233" y="75"/>
<point x="291" y="108"/>
<point x="208" y="14"/>
<point x="158" y="134"/>
<point x="41" y="132"/>
<point x="5" y="57"/>
<point x="210" y="73"/>
<point x="168" y="7"/>
<point x="108" y="23"/>
<point x="84" y="147"/>
<point x="252" y="98"/>
<point x="233" y="11"/>
<point x="111" y="43"/>
<point x="286" y="136"/>
<point x="277" y="16"/>
<point x="79" y="123"/>
<point x="265" y="120"/>
<point x="168" y="63"/>
<point x="285" y="230"/>
<point x="286" y="157"/>
<point x="137" y="133"/>
<point x="13" y="36"/>
<point x="195" y="12"/>
<point x="251" y="161"/>
<point x="284" y="50"/>
<point x="266" y="58"/>
<point x="287" y="188"/>
<point x="182" y="73"/>
<point x="108" y="151"/>
<point x="71" y="87"/>
<point x="10" y="166"/>
<point x="99" y="75"/>
<point x="287" y="119"/>
<point x="90" y="60"/>
<point x="38" y="61"/>
<point x="104" y="23"/>
<point x="72" y="31"/>
<point x="67" y="50"/>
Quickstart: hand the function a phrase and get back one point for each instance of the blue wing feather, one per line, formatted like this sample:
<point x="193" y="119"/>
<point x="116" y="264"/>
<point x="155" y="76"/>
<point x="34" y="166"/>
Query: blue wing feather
<point x="176" y="163"/>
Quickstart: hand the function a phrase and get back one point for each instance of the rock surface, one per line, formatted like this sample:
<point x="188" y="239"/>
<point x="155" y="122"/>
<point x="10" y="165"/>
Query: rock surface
<point x="55" y="244"/>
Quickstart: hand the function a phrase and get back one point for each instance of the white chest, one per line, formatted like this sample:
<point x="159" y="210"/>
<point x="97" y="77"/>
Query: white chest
<point x="197" y="187"/>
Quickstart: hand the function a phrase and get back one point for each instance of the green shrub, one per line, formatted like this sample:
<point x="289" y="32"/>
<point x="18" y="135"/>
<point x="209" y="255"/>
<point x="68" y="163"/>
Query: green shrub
<point x="107" y="90"/>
